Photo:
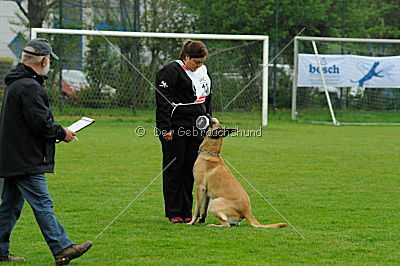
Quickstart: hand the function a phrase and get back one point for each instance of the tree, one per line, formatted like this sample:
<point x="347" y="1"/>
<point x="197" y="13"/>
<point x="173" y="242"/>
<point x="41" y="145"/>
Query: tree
<point x="146" y="54"/>
<point x="371" y="19"/>
<point x="37" y="11"/>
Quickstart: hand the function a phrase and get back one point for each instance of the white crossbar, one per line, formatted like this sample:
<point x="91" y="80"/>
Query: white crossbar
<point x="35" y="31"/>
<point x="331" y="39"/>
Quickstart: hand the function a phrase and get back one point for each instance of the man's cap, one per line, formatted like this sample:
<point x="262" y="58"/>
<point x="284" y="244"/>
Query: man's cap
<point x="42" y="48"/>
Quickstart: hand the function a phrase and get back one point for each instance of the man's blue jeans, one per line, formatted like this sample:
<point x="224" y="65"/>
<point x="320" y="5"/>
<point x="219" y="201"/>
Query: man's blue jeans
<point x="33" y="189"/>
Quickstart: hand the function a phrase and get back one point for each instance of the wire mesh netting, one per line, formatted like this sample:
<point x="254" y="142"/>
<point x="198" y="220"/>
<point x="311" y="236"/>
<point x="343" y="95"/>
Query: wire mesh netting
<point x="350" y="104"/>
<point x="116" y="75"/>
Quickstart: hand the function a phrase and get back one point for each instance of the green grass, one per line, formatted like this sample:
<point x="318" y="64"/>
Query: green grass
<point x="339" y="186"/>
<point x="349" y="115"/>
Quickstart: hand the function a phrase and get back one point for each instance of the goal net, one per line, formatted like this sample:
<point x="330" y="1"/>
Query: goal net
<point x="346" y="81"/>
<point x="113" y="72"/>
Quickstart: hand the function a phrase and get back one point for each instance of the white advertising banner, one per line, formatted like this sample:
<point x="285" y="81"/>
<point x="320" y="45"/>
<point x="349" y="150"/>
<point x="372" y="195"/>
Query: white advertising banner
<point x="349" y="71"/>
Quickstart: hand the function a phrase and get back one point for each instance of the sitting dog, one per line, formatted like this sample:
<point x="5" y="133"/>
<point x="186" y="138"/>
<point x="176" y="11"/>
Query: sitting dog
<point x="216" y="188"/>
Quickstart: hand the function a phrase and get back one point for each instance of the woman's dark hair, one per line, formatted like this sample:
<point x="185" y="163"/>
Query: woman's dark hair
<point x="193" y="49"/>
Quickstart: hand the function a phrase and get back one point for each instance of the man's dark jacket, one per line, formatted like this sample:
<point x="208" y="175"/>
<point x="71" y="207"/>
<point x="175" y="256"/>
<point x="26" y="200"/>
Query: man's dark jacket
<point x="27" y="128"/>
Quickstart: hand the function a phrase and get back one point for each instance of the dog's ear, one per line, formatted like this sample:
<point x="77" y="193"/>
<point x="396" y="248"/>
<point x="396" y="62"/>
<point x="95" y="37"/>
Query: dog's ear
<point x="214" y="120"/>
<point x="228" y="131"/>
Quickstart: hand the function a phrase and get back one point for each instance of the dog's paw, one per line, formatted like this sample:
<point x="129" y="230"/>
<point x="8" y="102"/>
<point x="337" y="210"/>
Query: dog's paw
<point x="202" y="220"/>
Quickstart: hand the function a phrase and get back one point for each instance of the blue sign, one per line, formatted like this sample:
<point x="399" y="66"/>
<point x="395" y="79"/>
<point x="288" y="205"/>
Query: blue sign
<point x="16" y="45"/>
<point x="349" y="71"/>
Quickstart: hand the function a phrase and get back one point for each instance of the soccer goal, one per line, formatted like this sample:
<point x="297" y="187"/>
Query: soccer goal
<point x="113" y="72"/>
<point x="343" y="81"/>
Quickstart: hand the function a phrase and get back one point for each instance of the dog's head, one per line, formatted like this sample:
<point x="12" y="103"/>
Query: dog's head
<point x="216" y="131"/>
<point x="213" y="137"/>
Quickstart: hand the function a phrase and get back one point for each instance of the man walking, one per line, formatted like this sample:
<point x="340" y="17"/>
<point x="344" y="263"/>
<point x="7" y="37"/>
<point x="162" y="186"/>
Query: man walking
<point x="27" y="147"/>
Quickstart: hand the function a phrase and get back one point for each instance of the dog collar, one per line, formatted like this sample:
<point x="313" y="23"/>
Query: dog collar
<point x="209" y="152"/>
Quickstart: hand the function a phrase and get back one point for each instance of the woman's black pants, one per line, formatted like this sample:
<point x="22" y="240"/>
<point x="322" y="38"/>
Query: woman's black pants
<point x="179" y="156"/>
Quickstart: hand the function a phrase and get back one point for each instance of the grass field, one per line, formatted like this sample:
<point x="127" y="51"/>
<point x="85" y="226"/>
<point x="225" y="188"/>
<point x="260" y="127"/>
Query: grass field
<point x="338" y="186"/>
<point x="349" y="116"/>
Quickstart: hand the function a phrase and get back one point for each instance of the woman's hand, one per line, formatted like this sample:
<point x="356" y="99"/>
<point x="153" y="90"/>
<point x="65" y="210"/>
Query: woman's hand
<point x="168" y="136"/>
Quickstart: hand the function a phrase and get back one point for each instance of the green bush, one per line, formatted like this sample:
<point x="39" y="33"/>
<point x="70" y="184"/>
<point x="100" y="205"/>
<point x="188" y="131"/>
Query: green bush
<point x="5" y="65"/>
<point x="91" y="98"/>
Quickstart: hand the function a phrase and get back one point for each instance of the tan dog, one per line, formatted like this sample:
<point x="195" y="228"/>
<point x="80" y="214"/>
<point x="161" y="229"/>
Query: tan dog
<point x="216" y="188"/>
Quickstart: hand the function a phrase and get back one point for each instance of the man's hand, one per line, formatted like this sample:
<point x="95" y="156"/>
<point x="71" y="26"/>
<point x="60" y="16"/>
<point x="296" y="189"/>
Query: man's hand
<point x="168" y="136"/>
<point x="70" y="135"/>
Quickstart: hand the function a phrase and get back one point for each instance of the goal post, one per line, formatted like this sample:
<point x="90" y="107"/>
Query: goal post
<point x="226" y="52"/>
<point x="328" y="99"/>
<point x="362" y="81"/>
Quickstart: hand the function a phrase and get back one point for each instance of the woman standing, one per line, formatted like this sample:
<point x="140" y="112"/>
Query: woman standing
<point x="183" y="94"/>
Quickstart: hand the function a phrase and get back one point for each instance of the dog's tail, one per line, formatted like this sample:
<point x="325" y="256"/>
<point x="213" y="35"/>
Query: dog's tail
<point x="253" y="221"/>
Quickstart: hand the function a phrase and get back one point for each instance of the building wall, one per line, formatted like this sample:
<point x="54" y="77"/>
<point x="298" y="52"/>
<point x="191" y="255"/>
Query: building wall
<point x="8" y="9"/>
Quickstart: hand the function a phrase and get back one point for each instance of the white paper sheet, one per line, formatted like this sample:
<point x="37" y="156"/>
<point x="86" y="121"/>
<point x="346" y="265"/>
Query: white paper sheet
<point x="80" y="124"/>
